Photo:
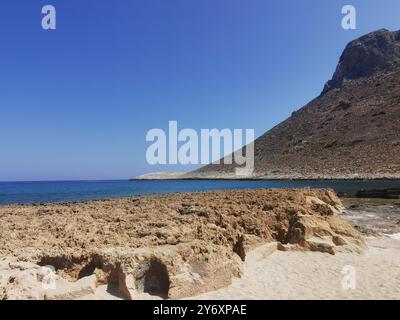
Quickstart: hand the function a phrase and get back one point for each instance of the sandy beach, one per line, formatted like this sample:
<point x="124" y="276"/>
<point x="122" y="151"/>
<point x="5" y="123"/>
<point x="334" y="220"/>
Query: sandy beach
<point x="315" y="275"/>
<point x="247" y="244"/>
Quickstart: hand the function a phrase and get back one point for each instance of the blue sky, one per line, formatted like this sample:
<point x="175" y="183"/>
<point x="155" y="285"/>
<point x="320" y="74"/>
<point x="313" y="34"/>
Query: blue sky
<point x="77" y="102"/>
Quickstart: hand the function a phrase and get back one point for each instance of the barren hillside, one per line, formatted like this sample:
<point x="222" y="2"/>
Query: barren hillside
<point x="350" y="131"/>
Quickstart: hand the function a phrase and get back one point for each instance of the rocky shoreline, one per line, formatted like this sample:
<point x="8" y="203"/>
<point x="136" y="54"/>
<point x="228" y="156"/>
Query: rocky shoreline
<point x="171" y="246"/>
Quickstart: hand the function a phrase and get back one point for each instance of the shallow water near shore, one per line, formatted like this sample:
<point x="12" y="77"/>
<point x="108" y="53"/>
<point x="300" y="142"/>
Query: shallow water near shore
<point x="67" y="191"/>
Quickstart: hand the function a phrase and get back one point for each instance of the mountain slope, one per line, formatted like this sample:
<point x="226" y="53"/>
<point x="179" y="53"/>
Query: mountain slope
<point x="352" y="130"/>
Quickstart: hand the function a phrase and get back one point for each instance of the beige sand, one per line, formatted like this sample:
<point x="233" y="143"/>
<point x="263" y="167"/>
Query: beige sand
<point x="315" y="275"/>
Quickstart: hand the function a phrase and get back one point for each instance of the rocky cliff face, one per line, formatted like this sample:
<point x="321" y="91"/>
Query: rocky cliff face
<point x="375" y="52"/>
<point x="350" y="131"/>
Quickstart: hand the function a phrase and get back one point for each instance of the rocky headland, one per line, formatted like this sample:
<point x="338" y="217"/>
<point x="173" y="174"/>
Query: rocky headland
<point x="350" y="131"/>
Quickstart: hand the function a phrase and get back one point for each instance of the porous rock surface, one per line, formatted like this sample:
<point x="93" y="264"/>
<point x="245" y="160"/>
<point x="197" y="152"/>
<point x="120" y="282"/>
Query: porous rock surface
<point x="169" y="246"/>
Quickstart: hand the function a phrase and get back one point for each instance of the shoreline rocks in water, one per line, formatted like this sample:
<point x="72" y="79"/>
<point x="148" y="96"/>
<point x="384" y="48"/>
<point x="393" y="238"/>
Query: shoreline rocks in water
<point x="379" y="193"/>
<point x="170" y="246"/>
<point x="373" y="217"/>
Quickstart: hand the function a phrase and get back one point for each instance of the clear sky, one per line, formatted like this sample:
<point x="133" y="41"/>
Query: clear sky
<point x="77" y="102"/>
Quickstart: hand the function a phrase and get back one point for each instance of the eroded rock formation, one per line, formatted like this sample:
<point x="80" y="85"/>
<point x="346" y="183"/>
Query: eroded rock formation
<point x="170" y="246"/>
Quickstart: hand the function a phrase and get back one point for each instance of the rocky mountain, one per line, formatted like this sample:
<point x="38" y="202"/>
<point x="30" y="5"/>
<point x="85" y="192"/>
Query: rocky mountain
<point x="375" y="52"/>
<point x="352" y="130"/>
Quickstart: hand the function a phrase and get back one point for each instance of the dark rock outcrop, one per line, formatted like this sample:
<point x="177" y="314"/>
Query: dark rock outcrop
<point x="375" y="52"/>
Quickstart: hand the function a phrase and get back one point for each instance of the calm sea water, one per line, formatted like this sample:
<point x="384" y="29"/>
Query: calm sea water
<point x="64" y="191"/>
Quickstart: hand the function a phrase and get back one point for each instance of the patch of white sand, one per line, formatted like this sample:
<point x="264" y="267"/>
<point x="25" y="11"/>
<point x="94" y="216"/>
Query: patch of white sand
<point x="315" y="275"/>
<point x="395" y="236"/>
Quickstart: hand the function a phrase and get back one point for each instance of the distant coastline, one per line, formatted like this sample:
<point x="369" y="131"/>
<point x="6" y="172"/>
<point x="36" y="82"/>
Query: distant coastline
<point x="188" y="176"/>
<point x="265" y="179"/>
